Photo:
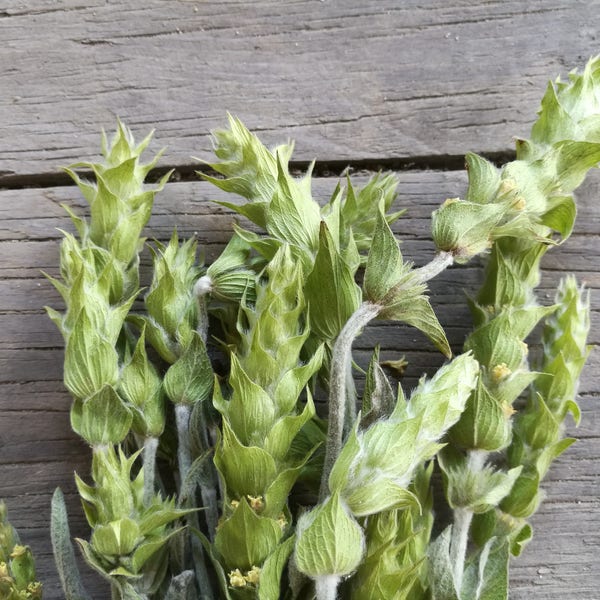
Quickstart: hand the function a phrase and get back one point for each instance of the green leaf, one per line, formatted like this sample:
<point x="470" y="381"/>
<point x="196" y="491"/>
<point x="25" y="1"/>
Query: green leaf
<point x="554" y="122"/>
<point x="276" y="495"/>
<point x="484" y="179"/>
<point x="480" y="490"/>
<point x="378" y="398"/>
<point x="157" y="337"/>
<point x="104" y="418"/>
<point x="149" y="547"/>
<point x="250" y="411"/>
<point x="246" y="539"/>
<point x="62" y="547"/>
<point x="330" y="290"/>
<point x="247" y="470"/>
<point x="549" y="454"/>
<point x="440" y="572"/>
<point x="293" y="215"/>
<point x="486" y="575"/>
<point x="117" y="538"/>
<point x="523" y="499"/>
<point x="199" y="474"/>
<point x="385" y="267"/>
<point x="217" y="566"/>
<point x="561" y="215"/>
<point x="329" y="541"/>
<point x="90" y="360"/>
<point x="190" y="379"/>
<point x="417" y="311"/>
<point x="284" y="430"/>
<point x="485" y="422"/>
<point x="272" y="569"/>
<point x="141" y="386"/>
<point x="537" y="425"/>
<point x="294" y="380"/>
<point x="376" y="497"/>
<point x="465" y="228"/>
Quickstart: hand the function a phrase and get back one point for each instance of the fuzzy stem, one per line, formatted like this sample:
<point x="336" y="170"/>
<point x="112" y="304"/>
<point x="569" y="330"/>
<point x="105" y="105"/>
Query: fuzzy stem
<point x="184" y="450"/>
<point x="201" y="289"/>
<point x="115" y="594"/>
<point x="149" y="460"/>
<point x="441" y="261"/>
<point x="340" y="363"/>
<point x="458" y="543"/>
<point x="184" y="457"/>
<point x="211" y="514"/>
<point x="462" y="522"/>
<point x="326" y="587"/>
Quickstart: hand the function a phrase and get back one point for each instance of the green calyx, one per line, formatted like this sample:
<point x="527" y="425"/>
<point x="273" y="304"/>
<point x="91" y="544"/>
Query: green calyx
<point x="17" y="567"/>
<point x="126" y="533"/>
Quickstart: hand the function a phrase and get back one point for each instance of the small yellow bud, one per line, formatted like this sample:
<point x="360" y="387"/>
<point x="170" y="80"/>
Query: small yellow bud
<point x="253" y="575"/>
<point x="507" y="186"/>
<point x="500" y="372"/>
<point x="234" y="504"/>
<point x="508" y="410"/>
<point x="449" y="201"/>
<point x="3" y="571"/>
<point x="525" y="349"/>
<point x="282" y="521"/>
<point x="519" y="203"/>
<point x="236" y="579"/>
<point x="399" y="366"/>
<point x="18" y="550"/>
<point x="256" y="503"/>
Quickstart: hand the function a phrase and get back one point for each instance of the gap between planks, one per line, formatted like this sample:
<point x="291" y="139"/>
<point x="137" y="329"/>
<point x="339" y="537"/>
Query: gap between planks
<point x="320" y="169"/>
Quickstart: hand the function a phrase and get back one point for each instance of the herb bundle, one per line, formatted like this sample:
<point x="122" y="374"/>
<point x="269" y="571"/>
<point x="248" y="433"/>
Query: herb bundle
<point x="228" y="484"/>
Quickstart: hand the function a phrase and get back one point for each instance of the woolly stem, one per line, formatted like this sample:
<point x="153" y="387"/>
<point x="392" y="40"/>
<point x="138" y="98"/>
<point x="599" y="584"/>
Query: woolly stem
<point x="459" y="542"/>
<point x="326" y="587"/>
<point x="201" y="290"/>
<point x="340" y="364"/>
<point x="184" y="450"/>
<point x="149" y="460"/>
<point x="462" y="523"/>
<point x="441" y="261"/>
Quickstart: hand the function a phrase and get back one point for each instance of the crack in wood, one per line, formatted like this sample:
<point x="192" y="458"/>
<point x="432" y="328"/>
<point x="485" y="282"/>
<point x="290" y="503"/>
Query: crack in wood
<point x="325" y="168"/>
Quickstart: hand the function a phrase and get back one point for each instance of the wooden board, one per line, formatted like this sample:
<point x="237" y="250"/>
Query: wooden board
<point x="407" y="85"/>
<point x="39" y="452"/>
<point x="418" y="81"/>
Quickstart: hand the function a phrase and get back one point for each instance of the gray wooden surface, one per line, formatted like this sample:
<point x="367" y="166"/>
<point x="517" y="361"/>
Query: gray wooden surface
<point x="407" y="85"/>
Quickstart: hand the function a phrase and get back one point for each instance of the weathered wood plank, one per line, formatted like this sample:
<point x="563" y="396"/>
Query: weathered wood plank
<point x="38" y="451"/>
<point x="349" y="80"/>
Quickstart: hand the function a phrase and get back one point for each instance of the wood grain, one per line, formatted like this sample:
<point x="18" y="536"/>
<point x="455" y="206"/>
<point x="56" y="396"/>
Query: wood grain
<point x="38" y="451"/>
<point x="410" y="85"/>
<point x="418" y="80"/>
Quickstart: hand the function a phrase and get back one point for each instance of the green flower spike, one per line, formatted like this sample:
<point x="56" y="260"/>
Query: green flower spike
<point x="17" y="568"/>
<point x="129" y="537"/>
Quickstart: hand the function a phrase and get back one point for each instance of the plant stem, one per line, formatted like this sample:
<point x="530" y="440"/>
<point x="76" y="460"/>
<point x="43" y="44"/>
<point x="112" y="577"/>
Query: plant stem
<point x="326" y="587"/>
<point x="340" y="364"/>
<point x="114" y="592"/>
<point x="202" y="300"/>
<point x="184" y="450"/>
<point x="458" y="543"/>
<point x="441" y="261"/>
<point x="462" y="522"/>
<point x="149" y="460"/>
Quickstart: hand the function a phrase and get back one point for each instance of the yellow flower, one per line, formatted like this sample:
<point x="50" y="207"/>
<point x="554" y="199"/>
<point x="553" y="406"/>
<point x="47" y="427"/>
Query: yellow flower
<point x="499" y="372"/>
<point x="256" y="503"/>
<point x="236" y="579"/>
<point x="253" y="575"/>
